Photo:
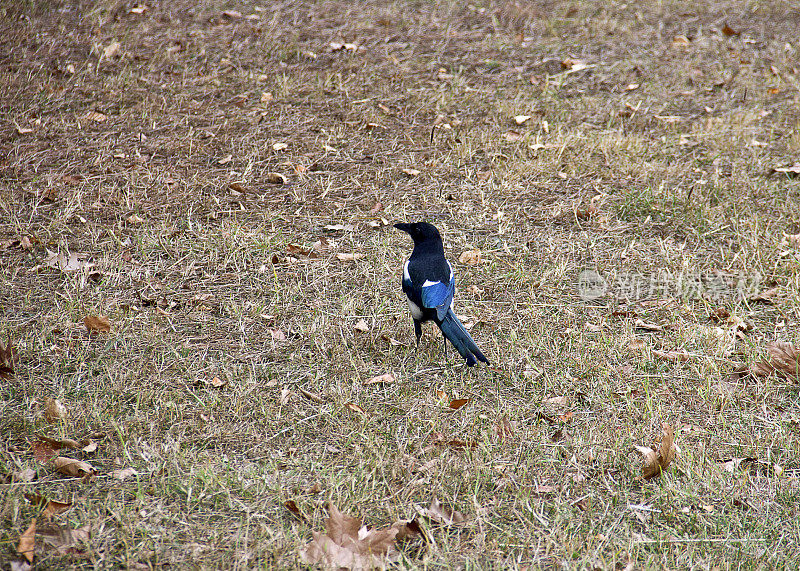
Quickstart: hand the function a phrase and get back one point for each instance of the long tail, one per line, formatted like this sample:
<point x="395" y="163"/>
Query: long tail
<point x="454" y="332"/>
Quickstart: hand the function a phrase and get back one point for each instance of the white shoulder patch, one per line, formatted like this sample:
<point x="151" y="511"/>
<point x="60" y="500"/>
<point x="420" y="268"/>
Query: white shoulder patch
<point x="406" y="275"/>
<point x="429" y="283"/>
<point x="451" y="270"/>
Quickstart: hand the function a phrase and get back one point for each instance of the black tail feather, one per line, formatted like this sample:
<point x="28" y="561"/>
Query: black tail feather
<point x="455" y="332"/>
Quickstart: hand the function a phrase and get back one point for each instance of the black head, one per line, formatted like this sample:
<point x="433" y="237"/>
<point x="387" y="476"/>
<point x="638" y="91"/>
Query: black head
<point x="419" y="231"/>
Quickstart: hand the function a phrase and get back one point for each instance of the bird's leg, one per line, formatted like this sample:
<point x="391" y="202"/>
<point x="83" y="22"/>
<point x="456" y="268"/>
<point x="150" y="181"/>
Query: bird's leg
<point x="445" y="345"/>
<point x="417" y="331"/>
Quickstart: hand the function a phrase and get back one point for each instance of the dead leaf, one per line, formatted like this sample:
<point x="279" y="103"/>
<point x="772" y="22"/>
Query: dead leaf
<point x="8" y="355"/>
<point x="96" y="116"/>
<point x="97" y="323"/>
<point x="43" y="451"/>
<point x="123" y="473"/>
<point x="112" y="50"/>
<point x="349" y="545"/>
<point x="659" y="457"/>
<point x="672" y="355"/>
<point x="339" y="227"/>
<point x="134" y="219"/>
<point x="411" y="172"/>
<point x="26" y="475"/>
<point x="728" y="31"/>
<point x="27" y="542"/>
<point x="279" y="147"/>
<point x="556" y="401"/>
<point x="513" y="136"/>
<point x="521" y="119"/>
<point x="790" y="170"/>
<point x="277" y="334"/>
<point x="392" y="341"/>
<point x="286" y="395"/>
<point x="639" y="324"/>
<point x="72" y="467"/>
<point x="293" y="509"/>
<point x="310" y="396"/>
<point x="345" y="257"/>
<point x="315" y="489"/>
<point x="355" y="408"/>
<point x="544" y="489"/>
<point x="361" y="326"/>
<point x="767" y="296"/>
<point x="440" y="439"/>
<point x="275" y="178"/>
<point x="217" y="383"/>
<point x="231" y="14"/>
<point x="54" y="410"/>
<point x="67" y="262"/>
<point x="571" y="64"/>
<point x="456" y="404"/>
<point x="783" y="360"/>
<point x="59" y="443"/>
<point x="266" y="97"/>
<point x="386" y="378"/>
<point x="680" y="41"/>
<point x="442" y="513"/>
<point x="470" y="257"/>
<point x="139" y="9"/>
<point x="90" y="448"/>
<point x="64" y="539"/>
<point x="504" y="428"/>
<point x="49" y="507"/>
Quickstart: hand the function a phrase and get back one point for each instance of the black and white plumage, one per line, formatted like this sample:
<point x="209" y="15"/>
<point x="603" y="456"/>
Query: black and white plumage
<point x="429" y="285"/>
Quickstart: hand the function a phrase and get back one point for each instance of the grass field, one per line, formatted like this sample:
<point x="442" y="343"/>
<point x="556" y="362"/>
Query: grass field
<point x="219" y="180"/>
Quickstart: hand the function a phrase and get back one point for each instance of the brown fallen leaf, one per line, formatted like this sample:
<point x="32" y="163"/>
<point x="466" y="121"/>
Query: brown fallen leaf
<point x="347" y="257"/>
<point x="67" y="262"/>
<point x="556" y="401"/>
<point x="392" y="341"/>
<point x="123" y="473"/>
<point x="513" y="136"/>
<point x="410" y="172"/>
<point x="355" y="408"/>
<point x="97" y="323"/>
<point x="315" y="489"/>
<point x="442" y="513"/>
<point x="456" y="404"/>
<point x="504" y="428"/>
<point x="90" y="447"/>
<point x="275" y="178"/>
<point x="783" y="360"/>
<point x="349" y="545"/>
<point x="440" y="439"/>
<point x="361" y="326"/>
<point x="293" y="509"/>
<point x="309" y="395"/>
<point x="728" y="31"/>
<point x="54" y="411"/>
<point x="58" y="443"/>
<point x="672" y="355"/>
<point x="767" y="296"/>
<point x="386" y="379"/>
<point x="64" y="539"/>
<point x="27" y="542"/>
<point x="470" y="257"/>
<point x="43" y="451"/>
<point x="72" y="467"/>
<point x="49" y="507"/>
<point x="8" y="355"/>
<point x="640" y="324"/>
<point x="658" y="458"/>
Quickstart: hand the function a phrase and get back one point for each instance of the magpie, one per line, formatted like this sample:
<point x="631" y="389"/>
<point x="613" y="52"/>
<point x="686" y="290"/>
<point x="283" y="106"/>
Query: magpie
<point x="429" y="285"/>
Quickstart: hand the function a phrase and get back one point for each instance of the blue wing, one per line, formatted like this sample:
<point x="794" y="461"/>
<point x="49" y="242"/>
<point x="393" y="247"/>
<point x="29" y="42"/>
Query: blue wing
<point x="438" y="296"/>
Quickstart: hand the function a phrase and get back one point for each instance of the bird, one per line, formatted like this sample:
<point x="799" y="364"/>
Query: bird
<point x="429" y="284"/>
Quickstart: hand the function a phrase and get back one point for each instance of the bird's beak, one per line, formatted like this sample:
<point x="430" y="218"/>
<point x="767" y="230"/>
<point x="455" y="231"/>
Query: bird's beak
<point x="403" y="226"/>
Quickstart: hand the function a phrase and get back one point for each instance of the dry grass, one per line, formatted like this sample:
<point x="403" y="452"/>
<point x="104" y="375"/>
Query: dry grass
<point x="672" y="175"/>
